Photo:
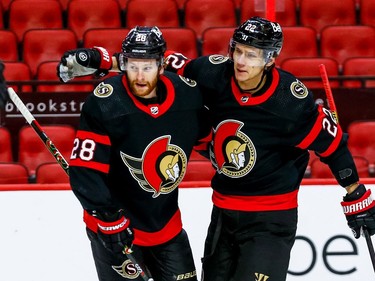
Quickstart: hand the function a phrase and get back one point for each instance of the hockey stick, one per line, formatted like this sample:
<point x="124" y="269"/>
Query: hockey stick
<point x="369" y="245"/>
<point x="328" y="91"/>
<point x="59" y="158"/>
<point x="332" y="107"/>
<point x="38" y="129"/>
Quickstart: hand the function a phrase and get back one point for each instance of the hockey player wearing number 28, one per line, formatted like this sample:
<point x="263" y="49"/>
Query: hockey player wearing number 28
<point x="130" y="153"/>
<point x="264" y="121"/>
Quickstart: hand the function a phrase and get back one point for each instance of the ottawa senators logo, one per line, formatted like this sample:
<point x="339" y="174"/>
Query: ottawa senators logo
<point x="299" y="90"/>
<point x="233" y="153"/>
<point x="103" y="90"/>
<point x="161" y="168"/>
<point x="217" y="59"/>
<point x="128" y="269"/>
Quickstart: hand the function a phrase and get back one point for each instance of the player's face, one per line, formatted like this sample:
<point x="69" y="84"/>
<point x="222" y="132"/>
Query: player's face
<point x="143" y="75"/>
<point x="248" y="65"/>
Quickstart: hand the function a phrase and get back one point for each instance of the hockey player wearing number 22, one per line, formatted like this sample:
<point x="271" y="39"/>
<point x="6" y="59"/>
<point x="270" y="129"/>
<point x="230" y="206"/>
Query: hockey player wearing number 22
<point x="135" y="136"/>
<point x="264" y="122"/>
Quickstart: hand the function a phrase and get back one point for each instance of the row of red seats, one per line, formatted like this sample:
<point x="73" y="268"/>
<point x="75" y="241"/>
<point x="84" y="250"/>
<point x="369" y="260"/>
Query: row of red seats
<point x="198" y="15"/>
<point x="361" y="143"/>
<point x="338" y="42"/>
<point x="181" y="4"/>
<point x="362" y="146"/>
<point x="306" y="69"/>
<point x="34" y="162"/>
<point x="347" y="55"/>
<point x="51" y="172"/>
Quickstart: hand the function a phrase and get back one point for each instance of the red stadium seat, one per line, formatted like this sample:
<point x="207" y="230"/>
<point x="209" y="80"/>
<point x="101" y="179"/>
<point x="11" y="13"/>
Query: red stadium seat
<point x="13" y="173"/>
<point x="2" y="12"/>
<point x="163" y="13"/>
<point x="366" y="12"/>
<point x="32" y="152"/>
<point x="182" y="40"/>
<point x="200" y="15"/>
<point x="199" y="171"/>
<point x="8" y="46"/>
<point x="42" y="45"/>
<point x="123" y="4"/>
<point x="305" y="68"/>
<point x="321" y="13"/>
<point x="5" y="145"/>
<point x="86" y="14"/>
<point x="47" y="72"/>
<point x="362" y="139"/>
<point x="285" y="11"/>
<point x="359" y="67"/>
<point x="344" y="42"/>
<point x="181" y="4"/>
<point x="109" y="38"/>
<point x="64" y="4"/>
<point x="17" y="72"/>
<point x="5" y="4"/>
<point x="321" y="170"/>
<point x="42" y="14"/>
<point x="299" y="42"/>
<point x="50" y="173"/>
<point x="216" y="40"/>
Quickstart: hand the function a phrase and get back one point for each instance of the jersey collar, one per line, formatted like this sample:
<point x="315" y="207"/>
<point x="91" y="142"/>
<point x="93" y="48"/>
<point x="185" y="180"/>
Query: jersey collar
<point x="244" y="98"/>
<point x="154" y="110"/>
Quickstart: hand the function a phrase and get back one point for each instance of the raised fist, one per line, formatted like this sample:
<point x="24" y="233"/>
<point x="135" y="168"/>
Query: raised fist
<point x="84" y="61"/>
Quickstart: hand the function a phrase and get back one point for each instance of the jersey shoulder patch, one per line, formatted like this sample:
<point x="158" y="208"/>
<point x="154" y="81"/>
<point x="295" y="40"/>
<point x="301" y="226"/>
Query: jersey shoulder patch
<point x="298" y="89"/>
<point x="103" y="90"/>
<point x="188" y="81"/>
<point x="217" y="59"/>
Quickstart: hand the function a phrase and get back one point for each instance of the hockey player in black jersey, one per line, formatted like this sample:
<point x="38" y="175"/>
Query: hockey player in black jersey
<point x="135" y="136"/>
<point x="265" y="121"/>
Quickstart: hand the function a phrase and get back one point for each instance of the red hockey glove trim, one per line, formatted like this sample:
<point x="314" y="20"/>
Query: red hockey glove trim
<point x="364" y="203"/>
<point x="105" y="58"/>
<point x="113" y="227"/>
<point x="93" y="223"/>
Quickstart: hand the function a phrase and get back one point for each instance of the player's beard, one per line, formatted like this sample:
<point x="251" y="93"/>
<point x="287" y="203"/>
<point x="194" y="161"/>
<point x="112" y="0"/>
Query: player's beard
<point x="145" y="89"/>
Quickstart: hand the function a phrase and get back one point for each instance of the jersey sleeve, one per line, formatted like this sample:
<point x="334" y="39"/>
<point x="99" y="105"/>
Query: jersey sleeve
<point x="89" y="163"/>
<point x="327" y="139"/>
<point x="175" y="62"/>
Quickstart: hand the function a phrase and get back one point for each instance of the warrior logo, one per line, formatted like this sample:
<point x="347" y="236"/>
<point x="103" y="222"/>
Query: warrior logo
<point x="161" y="168"/>
<point x="128" y="270"/>
<point x="233" y="153"/>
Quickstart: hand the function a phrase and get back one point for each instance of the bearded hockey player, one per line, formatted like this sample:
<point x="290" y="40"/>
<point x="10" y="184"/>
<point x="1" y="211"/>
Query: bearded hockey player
<point x="135" y="136"/>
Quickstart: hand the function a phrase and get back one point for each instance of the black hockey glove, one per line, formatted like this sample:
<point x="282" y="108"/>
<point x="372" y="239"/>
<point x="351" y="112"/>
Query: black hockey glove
<point x="83" y="62"/>
<point x="114" y="232"/>
<point x="359" y="209"/>
<point x="4" y="96"/>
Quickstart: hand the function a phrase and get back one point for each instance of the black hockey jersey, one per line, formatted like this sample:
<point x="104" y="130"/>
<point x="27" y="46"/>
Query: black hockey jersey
<point x="132" y="156"/>
<point x="261" y="142"/>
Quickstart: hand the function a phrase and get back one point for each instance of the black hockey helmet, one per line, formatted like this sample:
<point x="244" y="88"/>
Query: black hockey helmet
<point x="259" y="33"/>
<point x="144" y="42"/>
